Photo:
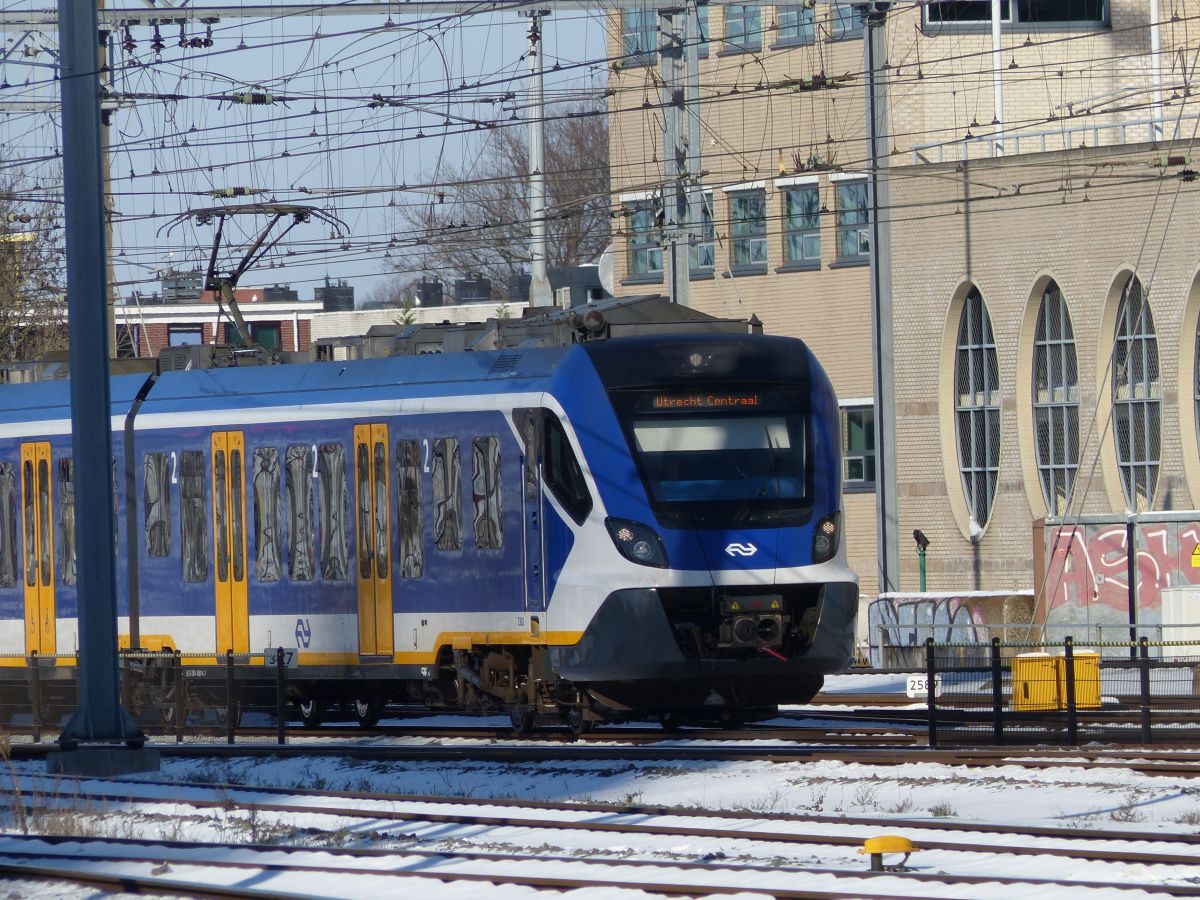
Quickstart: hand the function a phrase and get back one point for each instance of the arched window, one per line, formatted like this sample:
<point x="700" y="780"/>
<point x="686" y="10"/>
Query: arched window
<point x="1137" y="397"/>
<point x="1055" y="400"/>
<point x="977" y="408"/>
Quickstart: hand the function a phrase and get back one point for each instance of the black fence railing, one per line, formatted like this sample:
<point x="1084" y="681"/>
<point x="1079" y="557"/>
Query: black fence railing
<point x="1024" y="693"/>
<point x="166" y="692"/>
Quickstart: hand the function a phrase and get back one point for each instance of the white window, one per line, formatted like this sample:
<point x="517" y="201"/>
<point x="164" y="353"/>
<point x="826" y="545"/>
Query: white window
<point x="1055" y="401"/>
<point x="1137" y="397"/>
<point x="977" y="408"/>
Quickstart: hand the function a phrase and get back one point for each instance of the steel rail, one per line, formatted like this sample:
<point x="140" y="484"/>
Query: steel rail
<point x="155" y="855"/>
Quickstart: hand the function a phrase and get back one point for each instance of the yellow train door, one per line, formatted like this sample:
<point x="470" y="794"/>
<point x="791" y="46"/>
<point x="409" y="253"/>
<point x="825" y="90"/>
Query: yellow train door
<point x="37" y="505"/>
<point x="229" y="541"/>
<point x="374" y="540"/>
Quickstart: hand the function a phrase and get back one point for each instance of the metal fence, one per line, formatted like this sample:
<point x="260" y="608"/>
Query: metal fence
<point x="167" y="693"/>
<point x="1060" y="693"/>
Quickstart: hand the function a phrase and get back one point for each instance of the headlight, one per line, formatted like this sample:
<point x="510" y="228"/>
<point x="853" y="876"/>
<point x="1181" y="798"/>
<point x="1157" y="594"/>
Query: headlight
<point x="637" y="542"/>
<point x="825" y="538"/>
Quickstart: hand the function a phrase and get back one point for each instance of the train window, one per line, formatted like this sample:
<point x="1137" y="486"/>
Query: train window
<point x="562" y="473"/>
<point x="363" y="492"/>
<point x="408" y="499"/>
<point x="268" y="543"/>
<point x="193" y="516"/>
<point x="43" y="493"/>
<point x="298" y="465"/>
<point x="8" y="525"/>
<point x="447" y="495"/>
<point x="237" y="497"/>
<point x="331" y="508"/>
<point x="156" y="497"/>
<point x="220" y="515"/>
<point x="382" y="554"/>
<point x="27" y="494"/>
<point x="66" y="519"/>
<point x="485" y="492"/>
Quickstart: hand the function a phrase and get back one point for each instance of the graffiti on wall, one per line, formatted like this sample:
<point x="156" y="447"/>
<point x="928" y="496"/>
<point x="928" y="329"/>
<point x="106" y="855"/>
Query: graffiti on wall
<point x="901" y="623"/>
<point x="1087" y="570"/>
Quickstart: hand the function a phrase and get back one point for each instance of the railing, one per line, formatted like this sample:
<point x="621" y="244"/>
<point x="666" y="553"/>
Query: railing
<point x="1066" y="692"/>
<point x="165" y="692"/>
<point x="1067" y="137"/>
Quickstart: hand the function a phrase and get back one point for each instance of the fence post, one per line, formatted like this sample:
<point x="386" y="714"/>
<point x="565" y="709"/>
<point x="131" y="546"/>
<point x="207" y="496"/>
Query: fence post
<point x="1072" y="712"/>
<point x="997" y="694"/>
<point x="930" y="681"/>
<point x="230" y="712"/>
<point x="281" y="695"/>
<point x="180" y="697"/>
<point x="1144" y="672"/>
<point x="35" y="695"/>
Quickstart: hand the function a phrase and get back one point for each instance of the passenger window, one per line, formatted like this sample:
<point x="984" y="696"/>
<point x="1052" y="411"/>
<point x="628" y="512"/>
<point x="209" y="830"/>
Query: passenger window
<point x="8" y="526"/>
<point x="156" y="497"/>
<point x="193" y="516"/>
<point x="237" y="497"/>
<point x="331" y="509"/>
<point x="408" y="499"/>
<point x="562" y="473"/>
<point x="221" y="550"/>
<point x="28" y="495"/>
<point x="43" y="488"/>
<point x="382" y="550"/>
<point x="268" y="539"/>
<point x="363" y="492"/>
<point x="447" y="495"/>
<point x="485" y="492"/>
<point x="66" y="519"/>
<point x="301" y="550"/>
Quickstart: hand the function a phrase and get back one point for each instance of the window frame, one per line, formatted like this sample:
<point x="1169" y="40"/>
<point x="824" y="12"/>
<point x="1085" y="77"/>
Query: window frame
<point x="177" y="335"/>
<point x="801" y="32"/>
<point x="743" y="40"/>
<point x="844" y="216"/>
<point x="706" y="242"/>
<point x="866" y="455"/>
<point x="649" y="246"/>
<point x="446" y="474"/>
<point x="787" y="231"/>
<point x="486" y="497"/>
<point x="1055" y="399"/>
<point x="978" y="419"/>
<point x="1142" y="394"/>
<point x="193" y="516"/>
<point x="753" y="232"/>
<point x="268" y="514"/>
<point x="631" y="37"/>
<point x="1013" y="18"/>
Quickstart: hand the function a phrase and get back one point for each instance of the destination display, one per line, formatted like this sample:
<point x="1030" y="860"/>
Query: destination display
<point x="707" y="401"/>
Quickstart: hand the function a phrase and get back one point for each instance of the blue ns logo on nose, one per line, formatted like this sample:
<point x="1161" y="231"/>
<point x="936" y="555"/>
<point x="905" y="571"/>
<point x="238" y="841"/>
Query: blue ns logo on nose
<point x="736" y="549"/>
<point x="303" y="632"/>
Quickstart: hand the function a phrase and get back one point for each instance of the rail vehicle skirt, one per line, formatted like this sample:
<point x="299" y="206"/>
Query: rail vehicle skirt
<point x="629" y="655"/>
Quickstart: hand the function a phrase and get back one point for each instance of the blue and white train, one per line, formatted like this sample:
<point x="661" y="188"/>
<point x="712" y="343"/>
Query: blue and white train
<point x="615" y="529"/>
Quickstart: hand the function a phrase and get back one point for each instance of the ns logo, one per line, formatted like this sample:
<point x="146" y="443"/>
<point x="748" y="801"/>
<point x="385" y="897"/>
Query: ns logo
<point x="736" y="549"/>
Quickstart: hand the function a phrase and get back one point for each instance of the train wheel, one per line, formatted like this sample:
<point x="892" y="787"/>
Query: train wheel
<point x="521" y="717"/>
<point x="311" y="712"/>
<point x="367" y="711"/>
<point x="731" y="719"/>
<point x="578" y="721"/>
<point x="671" y="721"/>
<point x="223" y="714"/>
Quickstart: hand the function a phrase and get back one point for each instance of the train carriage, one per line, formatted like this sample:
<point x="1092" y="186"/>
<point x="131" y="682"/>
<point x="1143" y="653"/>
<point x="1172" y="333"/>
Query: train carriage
<point x="613" y="529"/>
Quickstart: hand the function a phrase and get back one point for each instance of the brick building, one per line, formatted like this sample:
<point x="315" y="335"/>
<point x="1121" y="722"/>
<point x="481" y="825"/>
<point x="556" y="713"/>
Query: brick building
<point x="785" y="234"/>
<point x="145" y="325"/>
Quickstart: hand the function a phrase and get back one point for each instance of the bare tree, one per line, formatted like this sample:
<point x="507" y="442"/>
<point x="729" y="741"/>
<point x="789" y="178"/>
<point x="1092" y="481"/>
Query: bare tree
<point x="479" y="222"/>
<point x="32" y="282"/>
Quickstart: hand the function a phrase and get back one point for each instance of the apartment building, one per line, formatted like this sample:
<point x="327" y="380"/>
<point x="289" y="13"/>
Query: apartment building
<point x="1070" y="98"/>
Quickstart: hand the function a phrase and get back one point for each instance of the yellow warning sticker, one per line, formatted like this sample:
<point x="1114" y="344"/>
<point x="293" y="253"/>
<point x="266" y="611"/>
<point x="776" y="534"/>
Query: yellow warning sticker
<point x="1196" y="557"/>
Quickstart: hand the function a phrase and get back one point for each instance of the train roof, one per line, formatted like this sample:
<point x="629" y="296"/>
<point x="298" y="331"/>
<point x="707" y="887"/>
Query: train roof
<point x="44" y="400"/>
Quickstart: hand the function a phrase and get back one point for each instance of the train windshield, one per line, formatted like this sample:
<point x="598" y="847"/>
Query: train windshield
<point x="722" y="459"/>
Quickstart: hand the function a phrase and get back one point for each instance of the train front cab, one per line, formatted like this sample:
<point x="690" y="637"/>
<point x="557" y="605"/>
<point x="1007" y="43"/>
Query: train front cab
<point x="718" y="461"/>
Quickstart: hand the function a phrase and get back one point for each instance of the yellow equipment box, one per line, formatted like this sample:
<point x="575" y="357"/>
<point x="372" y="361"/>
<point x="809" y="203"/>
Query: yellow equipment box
<point x="1087" y="679"/>
<point x="1035" y="682"/>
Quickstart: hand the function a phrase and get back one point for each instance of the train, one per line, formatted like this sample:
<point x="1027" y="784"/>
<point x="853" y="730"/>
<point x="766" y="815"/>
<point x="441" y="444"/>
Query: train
<point x="638" y="527"/>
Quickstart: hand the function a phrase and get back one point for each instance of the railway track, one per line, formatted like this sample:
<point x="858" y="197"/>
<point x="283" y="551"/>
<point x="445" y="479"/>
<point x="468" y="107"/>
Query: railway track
<point x="812" y="856"/>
